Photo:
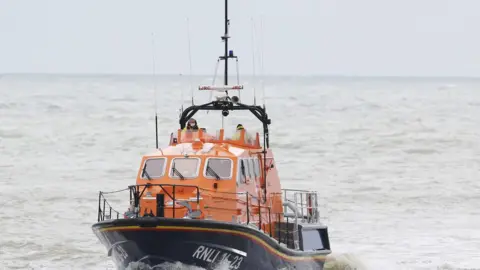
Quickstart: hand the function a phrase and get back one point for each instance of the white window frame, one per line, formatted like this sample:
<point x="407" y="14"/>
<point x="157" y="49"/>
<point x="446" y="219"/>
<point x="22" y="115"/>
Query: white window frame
<point x="165" y="164"/>
<point x="175" y="177"/>
<point x="213" y="177"/>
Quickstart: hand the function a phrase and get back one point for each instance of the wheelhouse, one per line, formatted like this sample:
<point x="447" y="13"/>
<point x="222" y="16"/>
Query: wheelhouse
<point x="189" y="168"/>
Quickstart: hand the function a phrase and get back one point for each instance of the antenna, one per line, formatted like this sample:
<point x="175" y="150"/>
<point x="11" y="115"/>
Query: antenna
<point x="261" y="61"/>
<point x="225" y="39"/>
<point x="189" y="60"/>
<point x="228" y="53"/>
<point x="253" y="62"/>
<point x="154" y="90"/>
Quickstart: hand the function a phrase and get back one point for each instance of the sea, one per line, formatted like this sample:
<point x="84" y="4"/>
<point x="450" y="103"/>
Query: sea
<point x="396" y="160"/>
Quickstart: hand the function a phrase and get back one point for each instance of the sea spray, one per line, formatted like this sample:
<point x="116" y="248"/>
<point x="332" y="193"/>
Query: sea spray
<point x="344" y="261"/>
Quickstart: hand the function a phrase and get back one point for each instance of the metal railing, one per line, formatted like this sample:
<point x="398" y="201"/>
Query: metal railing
<point x="136" y="192"/>
<point x="104" y="207"/>
<point x="298" y="205"/>
<point x="305" y="202"/>
<point x="243" y="137"/>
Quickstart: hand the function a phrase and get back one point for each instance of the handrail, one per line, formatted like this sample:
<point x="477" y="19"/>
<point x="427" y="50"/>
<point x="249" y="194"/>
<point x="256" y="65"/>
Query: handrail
<point x="189" y="136"/>
<point x="137" y="194"/>
<point x="166" y="185"/>
<point x="101" y="211"/>
<point x="298" y="190"/>
<point x="268" y="219"/>
<point x="305" y="202"/>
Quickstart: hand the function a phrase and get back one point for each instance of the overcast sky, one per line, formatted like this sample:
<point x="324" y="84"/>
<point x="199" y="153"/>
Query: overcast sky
<point x="301" y="37"/>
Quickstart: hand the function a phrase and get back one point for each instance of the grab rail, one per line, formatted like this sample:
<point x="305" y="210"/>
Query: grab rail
<point x="103" y="203"/>
<point x="305" y="202"/>
<point x="271" y="221"/>
<point x="253" y="212"/>
<point x="135" y="190"/>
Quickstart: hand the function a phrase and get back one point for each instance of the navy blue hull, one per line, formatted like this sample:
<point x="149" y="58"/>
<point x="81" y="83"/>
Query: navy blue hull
<point x="153" y="241"/>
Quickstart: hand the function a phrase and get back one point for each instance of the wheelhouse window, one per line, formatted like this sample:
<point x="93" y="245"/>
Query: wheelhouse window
<point x="241" y="177"/>
<point x="253" y="172"/>
<point x="183" y="168"/>
<point x="257" y="167"/>
<point x="153" y="168"/>
<point x="219" y="168"/>
<point x="249" y="168"/>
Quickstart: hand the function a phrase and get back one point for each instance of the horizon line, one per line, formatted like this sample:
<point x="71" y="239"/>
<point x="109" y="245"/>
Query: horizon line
<point x="244" y="75"/>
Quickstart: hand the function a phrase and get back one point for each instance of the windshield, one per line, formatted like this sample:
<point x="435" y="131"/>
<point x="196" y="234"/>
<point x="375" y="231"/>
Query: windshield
<point x="219" y="168"/>
<point x="184" y="168"/>
<point x="153" y="168"/>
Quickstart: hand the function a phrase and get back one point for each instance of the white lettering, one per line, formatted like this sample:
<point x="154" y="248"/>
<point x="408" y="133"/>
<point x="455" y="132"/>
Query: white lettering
<point x="210" y="255"/>
<point x="206" y="253"/>
<point x="239" y="262"/>
<point x="225" y="256"/>
<point x="214" y="258"/>
<point x="198" y="251"/>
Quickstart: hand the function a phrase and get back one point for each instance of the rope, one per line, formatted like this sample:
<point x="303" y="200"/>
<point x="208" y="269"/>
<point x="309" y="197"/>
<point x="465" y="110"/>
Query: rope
<point x="116" y="191"/>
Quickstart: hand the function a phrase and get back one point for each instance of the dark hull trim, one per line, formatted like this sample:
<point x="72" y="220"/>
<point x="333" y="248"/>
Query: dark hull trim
<point x="203" y="243"/>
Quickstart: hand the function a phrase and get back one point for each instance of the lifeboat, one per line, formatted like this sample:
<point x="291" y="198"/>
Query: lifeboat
<point x="206" y="199"/>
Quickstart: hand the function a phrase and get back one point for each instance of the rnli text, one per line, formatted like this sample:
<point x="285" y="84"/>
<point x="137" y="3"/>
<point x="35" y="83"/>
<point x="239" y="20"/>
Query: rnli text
<point x="211" y="255"/>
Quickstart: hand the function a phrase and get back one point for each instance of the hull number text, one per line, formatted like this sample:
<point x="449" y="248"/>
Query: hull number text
<point x="212" y="255"/>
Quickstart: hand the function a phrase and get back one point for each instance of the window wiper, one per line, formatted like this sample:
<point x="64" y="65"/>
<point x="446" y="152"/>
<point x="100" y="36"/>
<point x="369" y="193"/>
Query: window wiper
<point x="211" y="171"/>
<point x="175" y="171"/>
<point x="144" y="172"/>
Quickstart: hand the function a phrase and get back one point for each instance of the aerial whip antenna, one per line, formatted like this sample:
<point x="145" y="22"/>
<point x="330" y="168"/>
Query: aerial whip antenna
<point x="225" y="38"/>
<point x="261" y="60"/>
<point x="189" y="60"/>
<point x="253" y="62"/>
<point x="155" y="90"/>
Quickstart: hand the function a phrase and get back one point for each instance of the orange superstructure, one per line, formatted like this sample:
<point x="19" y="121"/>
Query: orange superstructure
<point x="219" y="178"/>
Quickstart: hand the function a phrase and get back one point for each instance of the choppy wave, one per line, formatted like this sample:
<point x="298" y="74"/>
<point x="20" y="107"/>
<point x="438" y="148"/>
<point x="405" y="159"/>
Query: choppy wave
<point x="396" y="163"/>
<point x="338" y="262"/>
<point x="173" y="266"/>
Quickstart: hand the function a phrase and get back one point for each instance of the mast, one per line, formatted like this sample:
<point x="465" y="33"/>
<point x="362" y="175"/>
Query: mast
<point x="226" y="42"/>
<point x="227" y="104"/>
<point x="227" y="54"/>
